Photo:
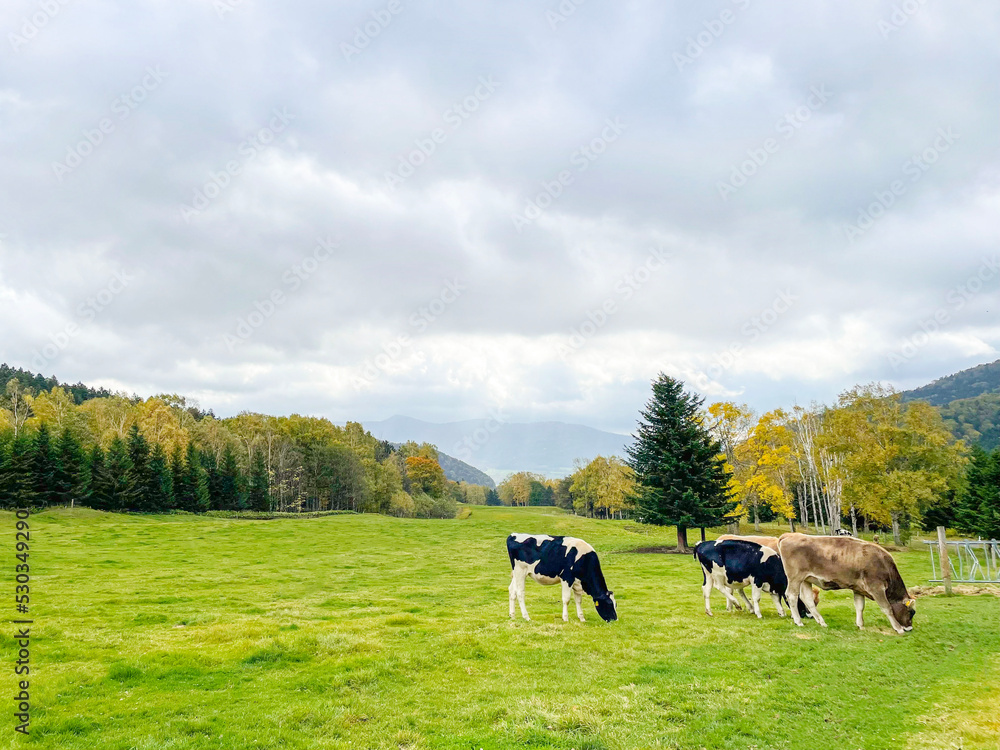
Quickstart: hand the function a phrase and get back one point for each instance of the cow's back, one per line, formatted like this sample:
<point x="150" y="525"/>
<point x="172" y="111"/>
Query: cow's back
<point x="763" y="541"/>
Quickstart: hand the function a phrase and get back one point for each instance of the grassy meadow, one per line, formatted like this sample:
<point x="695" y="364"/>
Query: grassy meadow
<point x="373" y="632"/>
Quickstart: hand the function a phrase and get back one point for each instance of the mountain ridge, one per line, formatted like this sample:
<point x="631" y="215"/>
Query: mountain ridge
<point x="498" y="448"/>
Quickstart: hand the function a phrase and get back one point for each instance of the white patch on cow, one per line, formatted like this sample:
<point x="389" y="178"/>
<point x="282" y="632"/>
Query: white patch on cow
<point x="529" y="570"/>
<point x="522" y="538"/>
<point x="767" y="552"/>
<point x="581" y="547"/>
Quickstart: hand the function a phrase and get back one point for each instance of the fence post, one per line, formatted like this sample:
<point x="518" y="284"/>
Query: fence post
<point x="945" y="562"/>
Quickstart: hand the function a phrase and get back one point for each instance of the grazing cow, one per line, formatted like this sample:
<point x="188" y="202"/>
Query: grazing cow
<point x="763" y="541"/>
<point x="736" y="563"/>
<point x="843" y="532"/>
<point x="555" y="559"/>
<point x="834" y="562"/>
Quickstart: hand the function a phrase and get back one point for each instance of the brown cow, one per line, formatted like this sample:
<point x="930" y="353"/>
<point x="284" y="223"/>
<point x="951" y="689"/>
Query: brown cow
<point x="843" y="562"/>
<point x="763" y="541"/>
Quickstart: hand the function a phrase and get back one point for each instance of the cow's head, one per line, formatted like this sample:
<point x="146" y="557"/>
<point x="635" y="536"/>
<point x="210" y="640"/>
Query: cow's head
<point x="606" y="606"/>
<point x="903" y="612"/>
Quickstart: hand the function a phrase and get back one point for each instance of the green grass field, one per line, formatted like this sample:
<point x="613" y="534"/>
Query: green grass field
<point x="374" y="632"/>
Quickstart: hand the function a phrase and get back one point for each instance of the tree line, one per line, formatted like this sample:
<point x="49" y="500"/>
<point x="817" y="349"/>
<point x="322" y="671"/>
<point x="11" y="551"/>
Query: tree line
<point x="120" y="452"/>
<point x="869" y="461"/>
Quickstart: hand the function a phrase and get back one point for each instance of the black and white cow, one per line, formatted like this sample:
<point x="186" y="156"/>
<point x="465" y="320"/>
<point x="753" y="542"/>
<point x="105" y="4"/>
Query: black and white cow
<point x="735" y="564"/>
<point x="842" y="532"/>
<point x="555" y="559"/>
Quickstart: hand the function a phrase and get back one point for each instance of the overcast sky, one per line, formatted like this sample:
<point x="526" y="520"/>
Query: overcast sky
<point x="358" y="209"/>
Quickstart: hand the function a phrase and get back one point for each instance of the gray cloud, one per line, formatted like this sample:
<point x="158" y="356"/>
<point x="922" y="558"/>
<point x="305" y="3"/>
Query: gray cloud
<point x="351" y="119"/>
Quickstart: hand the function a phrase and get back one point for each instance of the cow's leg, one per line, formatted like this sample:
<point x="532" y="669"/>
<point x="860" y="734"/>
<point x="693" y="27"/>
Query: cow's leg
<point x="806" y="594"/>
<point x="728" y="593"/>
<point x="743" y="596"/>
<point x="519" y="575"/>
<point x="578" y="596"/>
<point x="792" y="595"/>
<point x="567" y="594"/>
<point x="859" y="610"/>
<point x="706" y="589"/>
<point x="512" y="590"/>
<point x="756" y="592"/>
<point x="883" y="604"/>
<point x="777" y="603"/>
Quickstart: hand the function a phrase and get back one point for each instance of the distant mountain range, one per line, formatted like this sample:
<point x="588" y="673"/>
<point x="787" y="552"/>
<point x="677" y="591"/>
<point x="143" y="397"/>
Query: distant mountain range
<point x="976" y="381"/>
<point x="969" y="401"/>
<point x="546" y="448"/>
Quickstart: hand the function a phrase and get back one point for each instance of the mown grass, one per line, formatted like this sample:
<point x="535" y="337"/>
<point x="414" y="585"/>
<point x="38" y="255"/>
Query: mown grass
<point x="369" y="631"/>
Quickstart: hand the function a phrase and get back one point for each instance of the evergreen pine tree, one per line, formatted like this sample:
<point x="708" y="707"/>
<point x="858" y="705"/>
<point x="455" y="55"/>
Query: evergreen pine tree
<point x="195" y="481"/>
<point x="139" y="476"/>
<point x="71" y="481"/>
<point x="5" y="493"/>
<point x="20" y="477"/>
<point x="159" y="492"/>
<point x="99" y="486"/>
<point x="182" y="490"/>
<point x="213" y="479"/>
<point x="259" y="497"/>
<point x="232" y="495"/>
<point x="119" y="478"/>
<point x="43" y="468"/>
<point x="682" y="475"/>
<point x="977" y="511"/>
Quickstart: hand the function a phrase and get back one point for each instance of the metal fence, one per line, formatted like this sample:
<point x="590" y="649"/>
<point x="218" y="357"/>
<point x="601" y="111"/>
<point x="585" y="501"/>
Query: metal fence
<point x="971" y="561"/>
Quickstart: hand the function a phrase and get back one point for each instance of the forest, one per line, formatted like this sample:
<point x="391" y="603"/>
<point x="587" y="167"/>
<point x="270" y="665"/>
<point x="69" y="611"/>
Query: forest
<point x="872" y="460"/>
<point x="117" y="452"/>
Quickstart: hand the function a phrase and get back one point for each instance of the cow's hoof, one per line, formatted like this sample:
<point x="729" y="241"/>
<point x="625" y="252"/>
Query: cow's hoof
<point x="800" y="624"/>
<point x="527" y="619"/>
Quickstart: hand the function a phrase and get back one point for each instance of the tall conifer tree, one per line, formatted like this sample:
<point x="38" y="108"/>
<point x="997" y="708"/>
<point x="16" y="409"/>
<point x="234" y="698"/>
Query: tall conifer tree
<point x="678" y="465"/>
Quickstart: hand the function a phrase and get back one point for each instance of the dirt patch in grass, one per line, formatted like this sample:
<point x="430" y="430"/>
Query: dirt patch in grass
<point x="964" y="589"/>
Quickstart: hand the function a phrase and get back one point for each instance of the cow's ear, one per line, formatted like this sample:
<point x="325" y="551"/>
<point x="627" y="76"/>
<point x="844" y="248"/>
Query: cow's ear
<point x="611" y="593"/>
<point x="910" y="604"/>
